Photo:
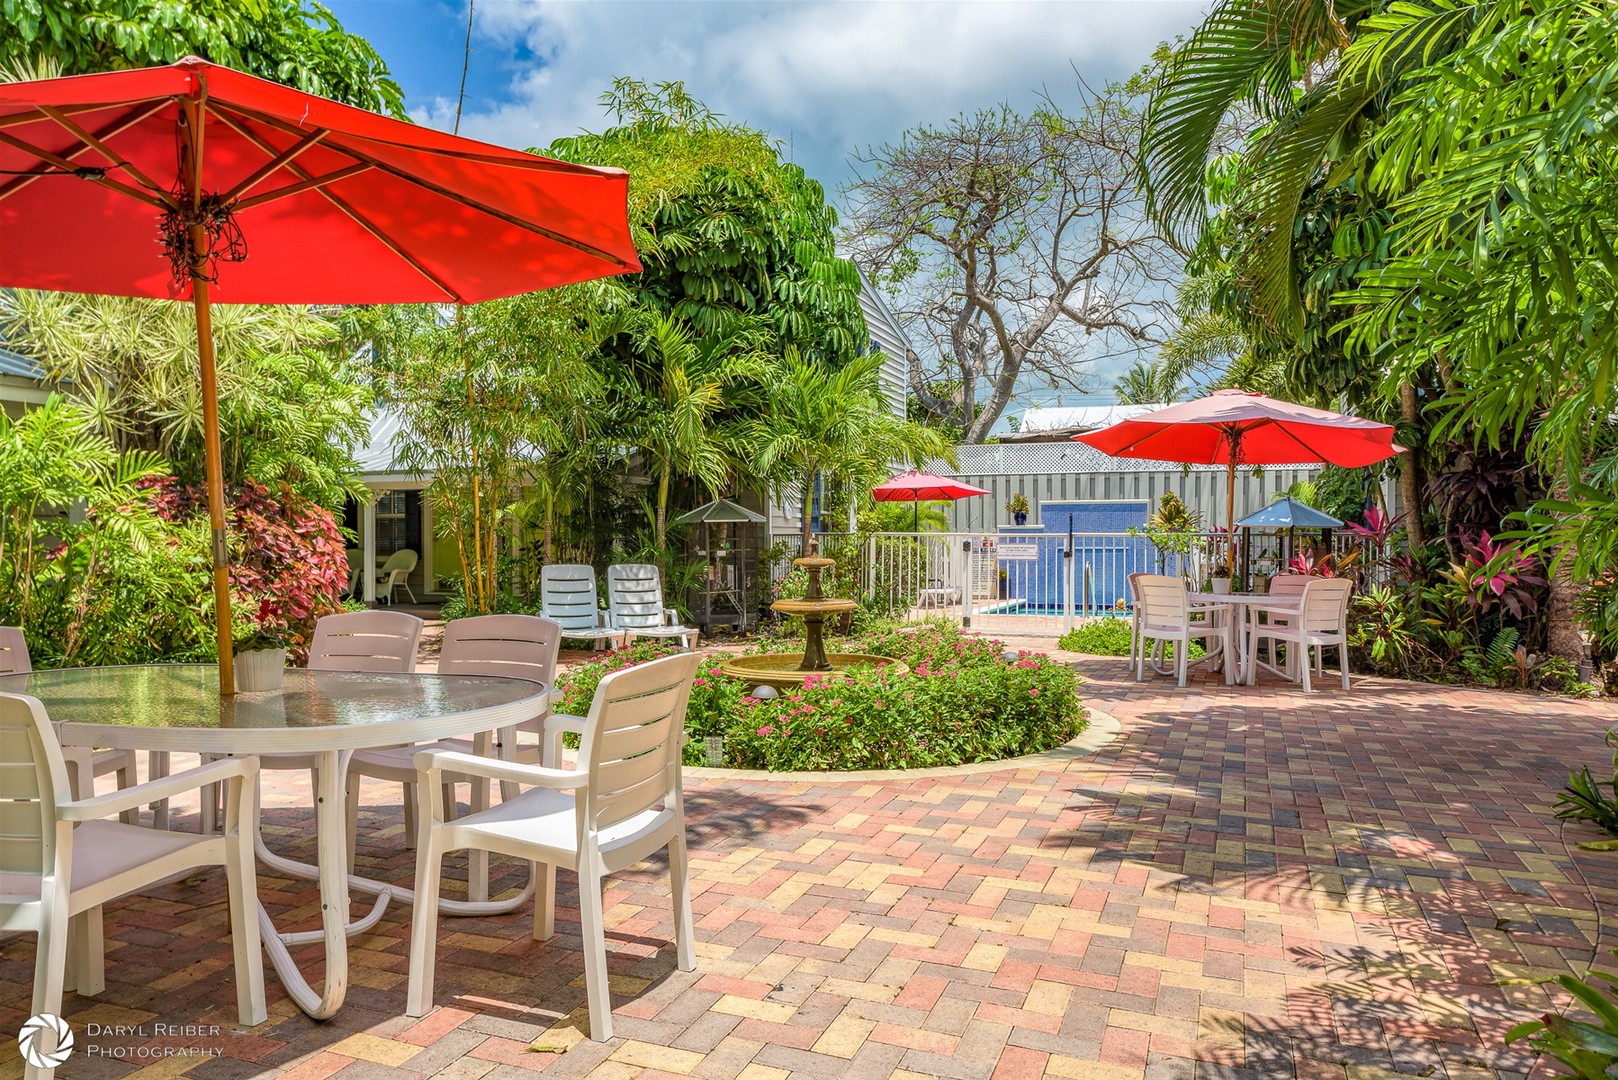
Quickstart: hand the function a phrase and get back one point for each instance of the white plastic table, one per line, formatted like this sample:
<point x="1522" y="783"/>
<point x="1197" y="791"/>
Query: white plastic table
<point x="324" y="714"/>
<point x="1239" y="604"/>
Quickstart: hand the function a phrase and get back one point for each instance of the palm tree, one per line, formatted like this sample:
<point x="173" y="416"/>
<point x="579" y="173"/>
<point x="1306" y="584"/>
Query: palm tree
<point x="679" y="397"/>
<point x="836" y="423"/>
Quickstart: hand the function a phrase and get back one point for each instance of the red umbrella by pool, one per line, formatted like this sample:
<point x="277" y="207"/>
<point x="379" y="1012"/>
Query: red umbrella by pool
<point x="194" y="181"/>
<point x="918" y="487"/>
<point x="1235" y="427"/>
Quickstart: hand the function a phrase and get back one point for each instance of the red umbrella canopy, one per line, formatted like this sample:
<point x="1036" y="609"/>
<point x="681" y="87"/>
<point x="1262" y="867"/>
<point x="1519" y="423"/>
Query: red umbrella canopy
<point x="1263" y="430"/>
<point x="917" y="486"/>
<point x="302" y="199"/>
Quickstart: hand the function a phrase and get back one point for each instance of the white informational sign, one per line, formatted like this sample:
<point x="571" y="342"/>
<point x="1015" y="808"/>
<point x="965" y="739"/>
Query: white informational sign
<point x="1017" y="552"/>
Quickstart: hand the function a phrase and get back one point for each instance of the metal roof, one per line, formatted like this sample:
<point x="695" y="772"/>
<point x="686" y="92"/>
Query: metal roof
<point x="1288" y="513"/>
<point x="20" y="366"/>
<point x="719" y="512"/>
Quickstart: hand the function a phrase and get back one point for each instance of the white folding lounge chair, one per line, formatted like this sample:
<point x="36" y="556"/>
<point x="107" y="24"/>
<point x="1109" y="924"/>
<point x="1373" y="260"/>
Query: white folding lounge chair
<point x="568" y="598"/>
<point x="58" y="876"/>
<point x="635" y="603"/>
<point x="622" y="804"/>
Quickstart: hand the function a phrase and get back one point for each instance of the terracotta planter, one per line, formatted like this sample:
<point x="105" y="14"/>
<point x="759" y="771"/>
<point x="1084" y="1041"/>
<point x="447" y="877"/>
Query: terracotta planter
<point x="260" y="670"/>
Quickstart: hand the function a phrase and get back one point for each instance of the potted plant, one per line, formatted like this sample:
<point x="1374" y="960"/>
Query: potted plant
<point x="261" y="652"/>
<point x="1017" y="507"/>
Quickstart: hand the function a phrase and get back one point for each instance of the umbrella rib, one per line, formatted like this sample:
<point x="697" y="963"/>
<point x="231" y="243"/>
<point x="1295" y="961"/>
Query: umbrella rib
<point x="35" y="116"/>
<point x="263" y="173"/>
<point x="72" y="128"/>
<point x="1294" y="437"/>
<point x="453" y="196"/>
<point x="303" y="185"/>
<point x="16" y="184"/>
<point x="165" y="202"/>
<point x="359" y="219"/>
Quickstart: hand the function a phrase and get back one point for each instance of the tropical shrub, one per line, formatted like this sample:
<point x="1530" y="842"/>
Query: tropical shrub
<point x="284" y="548"/>
<point x="1098" y="637"/>
<point x="962" y="702"/>
<point x="1589" y="1050"/>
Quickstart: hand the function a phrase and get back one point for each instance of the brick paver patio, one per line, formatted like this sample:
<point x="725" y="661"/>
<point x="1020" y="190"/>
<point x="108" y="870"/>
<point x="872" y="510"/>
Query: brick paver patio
<point x="1247" y="883"/>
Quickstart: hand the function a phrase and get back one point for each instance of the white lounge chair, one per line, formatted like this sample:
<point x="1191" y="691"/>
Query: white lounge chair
<point x="1322" y="622"/>
<point x="635" y="605"/>
<point x="623" y="803"/>
<point x="58" y="876"/>
<point x="396" y="573"/>
<point x="567" y="593"/>
<point x="511" y="646"/>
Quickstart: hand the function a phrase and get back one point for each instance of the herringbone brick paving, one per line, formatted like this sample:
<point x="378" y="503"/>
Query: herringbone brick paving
<point x="1249" y="882"/>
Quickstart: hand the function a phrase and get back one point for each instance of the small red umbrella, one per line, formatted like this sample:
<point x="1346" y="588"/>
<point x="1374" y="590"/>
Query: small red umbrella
<point x="1231" y="427"/>
<point x="194" y="181"/>
<point x="918" y="487"/>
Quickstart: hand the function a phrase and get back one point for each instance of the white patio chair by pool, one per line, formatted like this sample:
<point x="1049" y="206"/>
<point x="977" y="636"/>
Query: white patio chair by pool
<point x="1167" y="617"/>
<point x="1134" y="616"/>
<point x="1321" y="624"/>
<point x="57" y="876"/>
<point x="635" y="605"/>
<point x="622" y="804"/>
<point x="396" y="574"/>
<point x="1285" y="587"/>
<point x="510" y="646"/>
<point x="567" y="593"/>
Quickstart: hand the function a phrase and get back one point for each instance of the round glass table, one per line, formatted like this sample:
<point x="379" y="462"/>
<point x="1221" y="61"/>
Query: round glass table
<point x="323" y="715"/>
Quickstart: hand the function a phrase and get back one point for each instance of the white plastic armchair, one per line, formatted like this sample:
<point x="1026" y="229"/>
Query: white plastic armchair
<point x="635" y="601"/>
<point x="509" y="646"/>
<point x="568" y="598"/>
<point x="55" y="877"/>
<point x="1321" y="622"/>
<point x="1167" y="616"/>
<point x="396" y="573"/>
<point x="623" y="803"/>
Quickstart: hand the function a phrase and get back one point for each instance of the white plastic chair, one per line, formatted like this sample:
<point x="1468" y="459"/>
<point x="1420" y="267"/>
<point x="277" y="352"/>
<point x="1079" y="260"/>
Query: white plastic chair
<point x="54" y="878"/>
<point x="567" y="593"/>
<point x="396" y="572"/>
<point x="1134" y="616"/>
<point x="1286" y="587"/>
<point x="635" y="605"/>
<point x="381" y="641"/>
<point x="1321" y="623"/>
<point x="623" y="803"/>
<point x="1166" y="616"/>
<point x="511" y="646"/>
<point x="15" y="660"/>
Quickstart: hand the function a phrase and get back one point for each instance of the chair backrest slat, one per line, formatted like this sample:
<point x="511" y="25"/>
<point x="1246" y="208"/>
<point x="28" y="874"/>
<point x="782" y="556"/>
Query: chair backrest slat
<point x="365" y="641"/>
<point x="632" y="739"/>
<point x="1289" y="584"/>
<point x="512" y="646"/>
<point x="635" y="595"/>
<point x="568" y="595"/>
<point x="1164" y="600"/>
<point x="13" y="652"/>
<point x="33" y="777"/>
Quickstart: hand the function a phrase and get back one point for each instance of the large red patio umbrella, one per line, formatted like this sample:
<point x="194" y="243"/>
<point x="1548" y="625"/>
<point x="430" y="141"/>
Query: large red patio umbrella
<point x="918" y="487"/>
<point x="1232" y="427"/>
<point x="194" y="181"/>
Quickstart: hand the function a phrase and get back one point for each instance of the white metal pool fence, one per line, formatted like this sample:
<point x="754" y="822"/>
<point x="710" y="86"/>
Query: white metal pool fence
<point x="1024" y="583"/>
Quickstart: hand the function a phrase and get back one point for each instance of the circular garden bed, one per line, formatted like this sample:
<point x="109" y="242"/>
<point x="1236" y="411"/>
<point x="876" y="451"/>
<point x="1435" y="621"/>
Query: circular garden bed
<point x="964" y="700"/>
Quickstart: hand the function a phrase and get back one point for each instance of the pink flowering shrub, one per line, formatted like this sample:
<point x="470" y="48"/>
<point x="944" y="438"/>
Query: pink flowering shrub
<point x="962" y="701"/>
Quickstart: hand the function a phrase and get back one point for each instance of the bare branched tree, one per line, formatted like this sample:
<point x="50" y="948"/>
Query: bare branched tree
<point x="1017" y="247"/>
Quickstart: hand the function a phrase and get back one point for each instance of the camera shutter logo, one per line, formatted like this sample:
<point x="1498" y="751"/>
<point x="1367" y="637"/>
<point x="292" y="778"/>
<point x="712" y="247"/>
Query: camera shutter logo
<point x="31" y="1037"/>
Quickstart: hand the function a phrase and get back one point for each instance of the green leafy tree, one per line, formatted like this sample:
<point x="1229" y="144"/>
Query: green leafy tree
<point x="291" y="407"/>
<point x="834" y="424"/>
<point x="725" y="229"/>
<point x="296" y="42"/>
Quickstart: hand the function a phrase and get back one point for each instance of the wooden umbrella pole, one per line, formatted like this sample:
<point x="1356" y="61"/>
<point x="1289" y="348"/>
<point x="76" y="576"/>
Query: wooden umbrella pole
<point x="214" y="468"/>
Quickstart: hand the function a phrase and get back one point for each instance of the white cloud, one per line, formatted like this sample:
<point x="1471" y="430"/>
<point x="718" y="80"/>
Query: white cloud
<point x="828" y="78"/>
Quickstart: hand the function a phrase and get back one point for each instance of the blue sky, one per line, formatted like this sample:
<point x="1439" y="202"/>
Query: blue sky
<point x="825" y="78"/>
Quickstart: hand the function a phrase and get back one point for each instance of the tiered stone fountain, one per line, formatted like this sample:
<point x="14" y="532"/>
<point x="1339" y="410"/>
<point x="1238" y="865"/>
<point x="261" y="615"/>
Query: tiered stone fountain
<point x="787" y="670"/>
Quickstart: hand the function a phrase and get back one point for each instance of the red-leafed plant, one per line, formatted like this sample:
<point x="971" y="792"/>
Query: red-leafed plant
<point x="285" y="550"/>
<point x="1500" y="572"/>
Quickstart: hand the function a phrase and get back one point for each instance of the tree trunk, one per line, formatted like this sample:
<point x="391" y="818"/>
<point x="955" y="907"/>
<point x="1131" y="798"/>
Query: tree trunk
<point x="663" y="505"/>
<point x="1411" y="482"/>
<point x="1561" y="613"/>
<point x="808" y="501"/>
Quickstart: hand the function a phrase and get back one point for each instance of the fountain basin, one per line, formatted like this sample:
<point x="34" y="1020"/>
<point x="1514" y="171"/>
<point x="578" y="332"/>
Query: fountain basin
<point x="814" y="607"/>
<point x="782" y="671"/>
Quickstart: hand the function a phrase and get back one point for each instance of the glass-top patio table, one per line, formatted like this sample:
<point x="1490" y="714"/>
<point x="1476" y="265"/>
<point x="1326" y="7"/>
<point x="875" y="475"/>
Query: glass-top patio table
<point x="324" y="715"/>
